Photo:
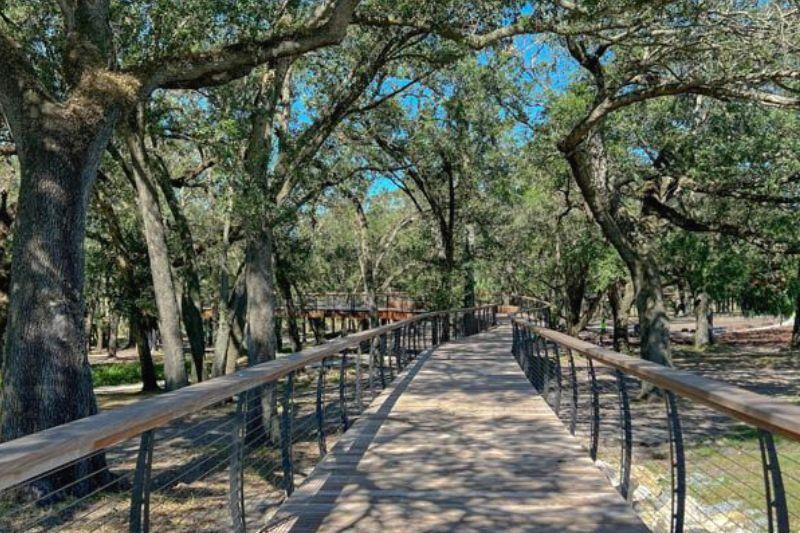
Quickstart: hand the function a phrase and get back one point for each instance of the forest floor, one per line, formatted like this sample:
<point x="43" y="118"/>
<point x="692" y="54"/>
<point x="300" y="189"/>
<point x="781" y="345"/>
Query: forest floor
<point x="751" y="352"/>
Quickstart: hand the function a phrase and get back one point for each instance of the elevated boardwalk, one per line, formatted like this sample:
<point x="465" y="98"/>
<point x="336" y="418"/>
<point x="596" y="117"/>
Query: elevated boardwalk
<point x="460" y="443"/>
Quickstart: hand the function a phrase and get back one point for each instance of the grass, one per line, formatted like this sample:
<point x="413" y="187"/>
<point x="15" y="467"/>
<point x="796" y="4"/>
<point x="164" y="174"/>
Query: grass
<point x="111" y="374"/>
<point x="725" y="480"/>
<point x="121" y="374"/>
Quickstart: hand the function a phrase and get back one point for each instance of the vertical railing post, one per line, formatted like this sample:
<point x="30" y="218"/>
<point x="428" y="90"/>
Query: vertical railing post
<point x="515" y="340"/>
<point x="342" y="392"/>
<point x="573" y="418"/>
<point x="287" y="416"/>
<point x="359" y="378"/>
<point x="626" y="434"/>
<point x="448" y="327"/>
<point x="521" y="352"/>
<point x="396" y="347"/>
<point x="594" y="420"/>
<point x="529" y="342"/>
<point x="320" y="410"/>
<point x="403" y="346"/>
<point x="382" y="360"/>
<point x="236" y="476"/>
<point x="371" y="368"/>
<point x="677" y="464"/>
<point x="777" y="511"/>
<point x="536" y="357"/>
<point x="557" y="401"/>
<point x="139" y="519"/>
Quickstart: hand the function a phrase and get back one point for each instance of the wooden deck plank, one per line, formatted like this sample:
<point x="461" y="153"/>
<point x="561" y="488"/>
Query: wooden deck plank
<point x="459" y="443"/>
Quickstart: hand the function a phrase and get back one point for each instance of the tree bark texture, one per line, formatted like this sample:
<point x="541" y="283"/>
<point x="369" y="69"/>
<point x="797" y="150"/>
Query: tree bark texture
<point x="588" y="164"/>
<point x="702" y="327"/>
<point x="169" y="321"/>
<point x="46" y="374"/>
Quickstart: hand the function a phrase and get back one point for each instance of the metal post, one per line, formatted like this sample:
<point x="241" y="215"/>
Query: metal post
<point x="523" y="352"/>
<point x="626" y="444"/>
<point x="382" y="360"/>
<point x="342" y="396"/>
<point x="371" y="369"/>
<point x="545" y="371"/>
<point x="359" y="378"/>
<point x="515" y="340"/>
<point x="396" y="348"/>
<point x="573" y="418"/>
<point x="777" y="512"/>
<point x="528" y="342"/>
<point x="139" y="519"/>
<point x="320" y="410"/>
<point x="677" y="463"/>
<point x="287" y="414"/>
<point x="236" y="477"/>
<point x="557" y="402"/>
<point x="594" y="423"/>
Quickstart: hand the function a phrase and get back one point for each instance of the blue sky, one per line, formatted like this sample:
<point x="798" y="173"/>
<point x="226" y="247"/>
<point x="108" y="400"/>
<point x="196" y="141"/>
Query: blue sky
<point x="547" y="69"/>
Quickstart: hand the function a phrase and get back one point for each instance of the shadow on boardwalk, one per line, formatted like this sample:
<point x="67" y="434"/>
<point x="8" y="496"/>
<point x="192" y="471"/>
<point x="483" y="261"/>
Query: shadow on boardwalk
<point x="461" y="443"/>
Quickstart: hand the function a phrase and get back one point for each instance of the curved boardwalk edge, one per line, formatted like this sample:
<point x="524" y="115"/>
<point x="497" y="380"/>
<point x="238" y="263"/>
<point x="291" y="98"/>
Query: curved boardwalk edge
<point x="460" y="442"/>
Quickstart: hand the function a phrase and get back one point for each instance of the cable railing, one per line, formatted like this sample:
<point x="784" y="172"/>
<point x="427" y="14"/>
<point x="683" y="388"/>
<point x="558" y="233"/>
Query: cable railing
<point x="688" y="452"/>
<point x="220" y="455"/>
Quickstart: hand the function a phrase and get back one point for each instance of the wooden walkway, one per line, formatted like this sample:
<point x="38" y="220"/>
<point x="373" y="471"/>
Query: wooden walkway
<point x="459" y="443"/>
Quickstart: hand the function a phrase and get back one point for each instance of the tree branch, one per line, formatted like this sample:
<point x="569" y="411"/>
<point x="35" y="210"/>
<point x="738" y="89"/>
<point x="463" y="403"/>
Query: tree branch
<point x="216" y="67"/>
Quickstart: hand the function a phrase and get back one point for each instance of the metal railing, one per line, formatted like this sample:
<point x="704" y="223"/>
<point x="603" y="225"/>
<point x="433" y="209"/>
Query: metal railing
<point x="218" y="455"/>
<point x="690" y="453"/>
<point x="352" y="302"/>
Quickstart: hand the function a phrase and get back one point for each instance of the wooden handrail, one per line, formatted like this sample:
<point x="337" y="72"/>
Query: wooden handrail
<point x="773" y="415"/>
<point x="30" y="456"/>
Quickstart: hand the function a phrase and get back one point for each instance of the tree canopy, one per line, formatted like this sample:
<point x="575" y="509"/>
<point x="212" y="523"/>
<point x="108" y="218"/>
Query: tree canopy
<point x="194" y="170"/>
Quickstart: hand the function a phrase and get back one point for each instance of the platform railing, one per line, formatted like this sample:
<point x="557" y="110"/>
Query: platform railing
<point x="220" y="455"/>
<point x="357" y="301"/>
<point x="690" y="453"/>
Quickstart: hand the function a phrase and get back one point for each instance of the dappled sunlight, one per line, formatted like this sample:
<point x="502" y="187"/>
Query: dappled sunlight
<point x="460" y="443"/>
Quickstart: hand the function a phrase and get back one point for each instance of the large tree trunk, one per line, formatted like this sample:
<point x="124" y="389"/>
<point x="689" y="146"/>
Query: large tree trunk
<point x="796" y="328"/>
<point x="589" y="167"/>
<point x="620" y="303"/>
<point x="113" y="331"/>
<point x="702" y="331"/>
<point x="100" y="330"/>
<point x="191" y="300"/>
<point x="259" y="276"/>
<point x="575" y="278"/>
<point x="795" y="342"/>
<point x="261" y="339"/>
<point x="225" y="306"/>
<point x="139" y="336"/>
<point x="285" y="286"/>
<point x="46" y="375"/>
<point x="229" y="342"/>
<point x="469" y="268"/>
<point x="191" y="311"/>
<point x="366" y="262"/>
<point x="653" y="321"/>
<point x="169" y="318"/>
